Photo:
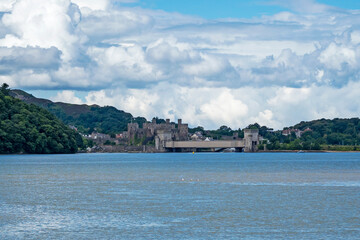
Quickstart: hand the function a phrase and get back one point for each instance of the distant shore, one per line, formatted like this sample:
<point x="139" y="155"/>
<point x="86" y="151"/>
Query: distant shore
<point x="306" y="151"/>
<point x="134" y="152"/>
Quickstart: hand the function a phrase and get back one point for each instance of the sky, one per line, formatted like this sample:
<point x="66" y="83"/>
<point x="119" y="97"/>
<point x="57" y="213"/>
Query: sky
<point x="211" y="63"/>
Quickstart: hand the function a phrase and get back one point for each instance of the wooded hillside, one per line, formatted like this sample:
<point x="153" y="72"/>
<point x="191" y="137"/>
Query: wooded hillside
<point x="26" y="128"/>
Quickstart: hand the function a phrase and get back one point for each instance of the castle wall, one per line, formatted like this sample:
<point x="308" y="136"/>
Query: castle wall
<point x="151" y="130"/>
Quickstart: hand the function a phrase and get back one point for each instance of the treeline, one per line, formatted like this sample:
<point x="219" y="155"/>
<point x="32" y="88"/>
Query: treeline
<point x="324" y="134"/>
<point x="26" y="128"/>
<point x="86" y="119"/>
<point x="108" y="120"/>
<point x="218" y="134"/>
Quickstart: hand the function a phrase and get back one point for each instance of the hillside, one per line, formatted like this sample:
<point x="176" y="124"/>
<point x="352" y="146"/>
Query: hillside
<point x="323" y="134"/>
<point x="84" y="117"/>
<point x="349" y="127"/>
<point x="26" y="128"/>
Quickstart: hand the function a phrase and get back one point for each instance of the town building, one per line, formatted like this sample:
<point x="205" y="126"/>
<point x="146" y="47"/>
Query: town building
<point x="298" y="132"/>
<point x="99" y="136"/>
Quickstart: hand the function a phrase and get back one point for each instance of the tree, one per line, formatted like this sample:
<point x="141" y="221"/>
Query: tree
<point x="31" y="129"/>
<point x="5" y="89"/>
<point x="254" y="126"/>
<point x="197" y="129"/>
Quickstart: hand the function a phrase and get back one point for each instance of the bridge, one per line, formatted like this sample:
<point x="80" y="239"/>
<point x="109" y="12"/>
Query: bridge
<point x="176" y="146"/>
<point x="165" y="143"/>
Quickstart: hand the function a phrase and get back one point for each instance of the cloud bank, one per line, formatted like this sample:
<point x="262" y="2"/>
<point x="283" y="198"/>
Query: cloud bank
<point x="275" y="70"/>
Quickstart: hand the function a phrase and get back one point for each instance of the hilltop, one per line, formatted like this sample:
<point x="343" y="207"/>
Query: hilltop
<point x="26" y="128"/>
<point x="86" y="118"/>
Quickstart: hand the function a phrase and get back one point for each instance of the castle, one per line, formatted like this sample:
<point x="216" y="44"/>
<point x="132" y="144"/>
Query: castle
<point x="158" y="132"/>
<point x="169" y="136"/>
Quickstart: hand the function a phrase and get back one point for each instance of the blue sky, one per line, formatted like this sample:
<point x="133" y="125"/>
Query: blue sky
<point x="214" y="9"/>
<point x="211" y="63"/>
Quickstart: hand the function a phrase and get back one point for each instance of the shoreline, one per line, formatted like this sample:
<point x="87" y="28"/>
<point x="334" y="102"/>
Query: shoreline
<point x="306" y="151"/>
<point x="137" y="152"/>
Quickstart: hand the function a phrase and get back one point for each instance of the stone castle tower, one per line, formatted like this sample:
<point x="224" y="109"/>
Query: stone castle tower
<point x="251" y="138"/>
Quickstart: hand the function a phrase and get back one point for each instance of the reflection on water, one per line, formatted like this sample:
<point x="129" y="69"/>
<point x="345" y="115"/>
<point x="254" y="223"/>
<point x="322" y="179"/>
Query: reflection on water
<point x="180" y="196"/>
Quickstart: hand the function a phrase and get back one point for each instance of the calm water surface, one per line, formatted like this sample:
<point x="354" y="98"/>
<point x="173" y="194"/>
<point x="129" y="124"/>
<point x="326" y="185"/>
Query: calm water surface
<point x="180" y="196"/>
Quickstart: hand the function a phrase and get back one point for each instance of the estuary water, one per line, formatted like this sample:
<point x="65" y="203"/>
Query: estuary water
<point x="180" y="196"/>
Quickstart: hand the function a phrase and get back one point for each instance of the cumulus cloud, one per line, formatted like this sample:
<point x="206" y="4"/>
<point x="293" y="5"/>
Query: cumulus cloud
<point x="39" y="23"/>
<point x="213" y="107"/>
<point x="73" y="77"/>
<point x="6" y="5"/>
<point x="105" y="25"/>
<point x="67" y="97"/>
<point x="122" y="63"/>
<point x="28" y="78"/>
<point x="276" y="70"/>
<point x="92" y="5"/>
<point x="334" y="56"/>
<point x="17" y="58"/>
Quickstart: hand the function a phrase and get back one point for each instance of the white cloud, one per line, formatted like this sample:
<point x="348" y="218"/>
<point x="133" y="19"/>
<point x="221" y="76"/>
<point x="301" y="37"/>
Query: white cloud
<point x="99" y="97"/>
<point x="106" y="25"/>
<point x="355" y="37"/>
<point x="92" y="4"/>
<point x="266" y="118"/>
<point x="6" y="5"/>
<point x="67" y="97"/>
<point x="224" y="109"/>
<point x="13" y="59"/>
<point x="275" y="70"/>
<point x="168" y="50"/>
<point x="334" y="56"/>
<point x="30" y="78"/>
<point x="123" y="62"/>
<point x="237" y="108"/>
<point x="39" y="23"/>
<point x="209" y="65"/>
<point x="76" y="77"/>
<point x="95" y="5"/>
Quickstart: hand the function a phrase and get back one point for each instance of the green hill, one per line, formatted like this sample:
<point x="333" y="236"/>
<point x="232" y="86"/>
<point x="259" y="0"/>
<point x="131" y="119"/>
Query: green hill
<point x="26" y="128"/>
<point x="323" y="134"/>
<point x="84" y="117"/>
<point x="332" y="132"/>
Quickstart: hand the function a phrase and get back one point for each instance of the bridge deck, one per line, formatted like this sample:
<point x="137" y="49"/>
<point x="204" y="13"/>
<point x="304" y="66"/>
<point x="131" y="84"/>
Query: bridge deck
<point x="205" y="144"/>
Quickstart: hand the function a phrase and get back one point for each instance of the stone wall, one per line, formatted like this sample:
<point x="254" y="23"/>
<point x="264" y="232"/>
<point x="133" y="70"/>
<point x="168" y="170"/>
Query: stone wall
<point x="251" y="138"/>
<point x="153" y="131"/>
